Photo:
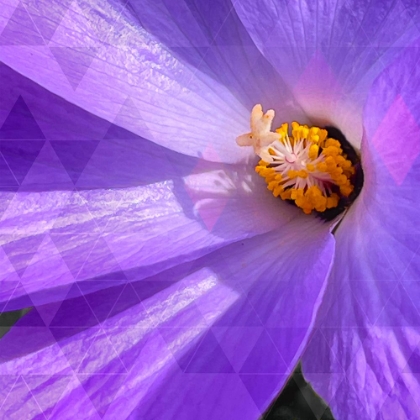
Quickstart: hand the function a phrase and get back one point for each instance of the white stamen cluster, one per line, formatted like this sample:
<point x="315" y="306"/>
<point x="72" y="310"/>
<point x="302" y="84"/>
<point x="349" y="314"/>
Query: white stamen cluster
<point x="284" y="157"/>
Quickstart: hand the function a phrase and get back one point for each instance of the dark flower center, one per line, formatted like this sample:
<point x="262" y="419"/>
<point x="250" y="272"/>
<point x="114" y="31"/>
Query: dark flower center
<point x="356" y="179"/>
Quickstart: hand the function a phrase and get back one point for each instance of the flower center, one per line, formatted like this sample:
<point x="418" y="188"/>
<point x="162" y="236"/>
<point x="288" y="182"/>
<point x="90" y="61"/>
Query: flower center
<point x="306" y="166"/>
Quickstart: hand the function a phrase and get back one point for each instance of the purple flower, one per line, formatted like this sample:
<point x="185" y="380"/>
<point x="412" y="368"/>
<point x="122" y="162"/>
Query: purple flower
<point x="165" y="279"/>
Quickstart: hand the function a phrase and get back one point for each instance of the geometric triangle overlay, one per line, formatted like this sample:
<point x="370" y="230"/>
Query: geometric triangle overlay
<point x="48" y="20"/>
<point x="47" y="173"/>
<point x="28" y="246"/>
<point x="8" y="181"/>
<point x="74" y="155"/>
<point x="20" y="155"/>
<point x="127" y="113"/>
<point x="46" y="402"/>
<point x="20" y="124"/>
<point x="67" y="57"/>
<point x="209" y="357"/>
<point x="20" y="29"/>
<point x="264" y="358"/>
<point x="261" y="386"/>
<point x="83" y="317"/>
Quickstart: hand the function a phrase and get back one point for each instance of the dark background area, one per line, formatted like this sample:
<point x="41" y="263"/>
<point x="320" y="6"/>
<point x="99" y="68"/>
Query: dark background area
<point x="298" y="401"/>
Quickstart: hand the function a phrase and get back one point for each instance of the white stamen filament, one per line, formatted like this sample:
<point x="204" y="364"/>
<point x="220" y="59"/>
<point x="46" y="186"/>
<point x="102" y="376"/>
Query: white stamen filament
<point x="285" y="157"/>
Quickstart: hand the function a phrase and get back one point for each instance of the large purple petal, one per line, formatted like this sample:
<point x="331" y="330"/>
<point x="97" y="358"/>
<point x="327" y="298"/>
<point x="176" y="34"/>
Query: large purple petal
<point x="99" y="57"/>
<point x="214" y="338"/>
<point x="364" y="357"/>
<point x="83" y="198"/>
<point x="210" y="36"/>
<point x="328" y="52"/>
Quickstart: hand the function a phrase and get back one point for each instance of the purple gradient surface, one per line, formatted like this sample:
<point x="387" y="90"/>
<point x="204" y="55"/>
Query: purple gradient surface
<point x="166" y="282"/>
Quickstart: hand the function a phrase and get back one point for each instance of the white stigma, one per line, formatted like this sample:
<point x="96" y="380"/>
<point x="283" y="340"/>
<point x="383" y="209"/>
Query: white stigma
<point x="261" y="134"/>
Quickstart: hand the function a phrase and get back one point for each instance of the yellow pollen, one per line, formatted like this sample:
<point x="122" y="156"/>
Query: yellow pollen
<point x="313" y="151"/>
<point x="307" y="167"/>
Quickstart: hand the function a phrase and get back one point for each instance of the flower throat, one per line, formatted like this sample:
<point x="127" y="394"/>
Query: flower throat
<point x="314" y="168"/>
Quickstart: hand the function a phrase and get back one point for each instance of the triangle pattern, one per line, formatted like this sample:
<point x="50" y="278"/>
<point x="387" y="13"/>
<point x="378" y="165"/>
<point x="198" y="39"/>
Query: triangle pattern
<point x="21" y="252"/>
<point x="8" y="182"/>
<point x="74" y="155"/>
<point x="11" y="286"/>
<point x="115" y="132"/>
<point x="18" y="397"/>
<point x="11" y="289"/>
<point x="318" y="345"/>
<point x="20" y="156"/>
<point x="75" y="390"/>
<point x="320" y="381"/>
<point x="263" y="387"/>
<point x="74" y="312"/>
<point x="48" y="312"/>
<point x="241" y="313"/>
<point x="120" y="358"/>
<point x="102" y="351"/>
<point x="391" y="315"/>
<point x="20" y="124"/>
<point x="332" y="315"/>
<point x="209" y="357"/>
<point x="103" y="301"/>
<point x="395" y="407"/>
<point x="47" y="266"/>
<point x="47" y="173"/>
<point x="74" y="254"/>
<point x="47" y="23"/>
<point x="47" y="400"/>
<point x="237" y="342"/>
<point x="353" y="342"/>
<point x="351" y="393"/>
<point x="134" y="352"/>
<point x="34" y="320"/>
<point x="171" y="335"/>
<point x="314" y="402"/>
<point x="124" y="118"/>
<point x="7" y="383"/>
<point x="66" y="58"/>
<point x="101" y="264"/>
<point x="95" y="204"/>
<point x="102" y="400"/>
<point x="20" y="29"/>
<point x="264" y="358"/>
<point x="75" y="352"/>
<point x="287" y="340"/>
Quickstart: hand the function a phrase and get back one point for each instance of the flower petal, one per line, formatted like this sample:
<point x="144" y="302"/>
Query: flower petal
<point x="211" y="38"/>
<point x="328" y="52"/>
<point x="364" y="357"/>
<point x="97" y="58"/>
<point x="216" y="337"/>
<point x="52" y="239"/>
<point x="88" y="199"/>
